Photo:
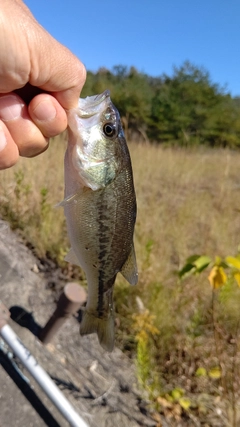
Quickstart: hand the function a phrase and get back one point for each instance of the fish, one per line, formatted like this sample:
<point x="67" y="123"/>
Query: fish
<point x="100" y="208"/>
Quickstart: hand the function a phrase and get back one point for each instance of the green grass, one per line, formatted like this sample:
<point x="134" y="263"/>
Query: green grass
<point x="188" y="203"/>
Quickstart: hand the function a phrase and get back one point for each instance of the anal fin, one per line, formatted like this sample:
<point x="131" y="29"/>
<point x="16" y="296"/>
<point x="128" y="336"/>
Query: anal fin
<point x="129" y="269"/>
<point x="71" y="257"/>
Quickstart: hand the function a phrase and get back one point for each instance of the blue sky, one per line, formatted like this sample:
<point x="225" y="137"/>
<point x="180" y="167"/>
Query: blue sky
<point x="152" y="35"/>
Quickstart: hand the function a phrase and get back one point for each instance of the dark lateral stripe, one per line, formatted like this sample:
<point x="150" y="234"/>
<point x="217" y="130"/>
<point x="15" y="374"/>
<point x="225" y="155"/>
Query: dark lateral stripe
<point x="100" y="306"/>
<point x="103" y="296"/>
<point x="103" y="244"/>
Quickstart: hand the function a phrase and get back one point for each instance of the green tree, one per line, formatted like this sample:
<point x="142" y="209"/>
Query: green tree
<point x="182" y="105"/>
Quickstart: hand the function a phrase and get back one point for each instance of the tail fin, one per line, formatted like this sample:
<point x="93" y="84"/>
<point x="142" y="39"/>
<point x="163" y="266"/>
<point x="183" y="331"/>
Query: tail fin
<point x="103" y="327"/>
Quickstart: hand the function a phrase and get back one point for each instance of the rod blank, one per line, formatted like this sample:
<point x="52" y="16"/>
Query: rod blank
<point x="42" y="378"/>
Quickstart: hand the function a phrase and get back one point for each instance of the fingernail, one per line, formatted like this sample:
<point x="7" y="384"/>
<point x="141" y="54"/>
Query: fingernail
<point x="10" y="108"/>
<point x="45" y="111"/>
<point x="3" y="140"/>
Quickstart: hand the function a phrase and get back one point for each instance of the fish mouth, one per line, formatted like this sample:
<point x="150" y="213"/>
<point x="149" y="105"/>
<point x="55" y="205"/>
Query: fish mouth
<point x="88" y="106"/>
<point x="100" y="98"/>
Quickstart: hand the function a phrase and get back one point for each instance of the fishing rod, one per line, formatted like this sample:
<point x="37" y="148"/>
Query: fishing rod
<point x="37" y="372"/>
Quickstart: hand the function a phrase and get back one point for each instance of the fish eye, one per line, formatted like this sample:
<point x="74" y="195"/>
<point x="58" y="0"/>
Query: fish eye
<point x="109" y="130"/>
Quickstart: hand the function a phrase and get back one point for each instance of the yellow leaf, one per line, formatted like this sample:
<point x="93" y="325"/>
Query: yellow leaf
<point x="217" y="277"/>
<point x="237" y="277"/>
<point x="202" y="262"/>
<point x="177" y="393"/>
<point x="185" y="403"/>
<point x="201" y="372"/>
<point x="233" y="262"/>
<point x="215" y="373"/>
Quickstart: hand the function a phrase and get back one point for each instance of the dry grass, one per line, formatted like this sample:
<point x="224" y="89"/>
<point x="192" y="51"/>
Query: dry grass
<point x="187" y="204"/>
<point x="28" y="194"/>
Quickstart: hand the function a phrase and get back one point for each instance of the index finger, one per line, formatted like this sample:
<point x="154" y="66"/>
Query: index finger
<point x="68" y="98"/>
<point x="62" y="74"/>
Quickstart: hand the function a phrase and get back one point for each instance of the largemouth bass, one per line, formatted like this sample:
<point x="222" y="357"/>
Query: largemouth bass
<point x="100" y="208"/>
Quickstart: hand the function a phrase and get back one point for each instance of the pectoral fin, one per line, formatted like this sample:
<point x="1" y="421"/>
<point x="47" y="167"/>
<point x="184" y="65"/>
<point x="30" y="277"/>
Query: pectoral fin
<point x="129" y="269"/>
<point x="66" y="201"/>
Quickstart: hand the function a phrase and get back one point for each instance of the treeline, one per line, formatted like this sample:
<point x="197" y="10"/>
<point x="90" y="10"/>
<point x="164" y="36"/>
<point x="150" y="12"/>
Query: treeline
<point x="184" y="109"/>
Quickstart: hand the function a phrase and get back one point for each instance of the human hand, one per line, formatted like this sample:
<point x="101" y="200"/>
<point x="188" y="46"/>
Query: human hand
<point x="39" y="80"/>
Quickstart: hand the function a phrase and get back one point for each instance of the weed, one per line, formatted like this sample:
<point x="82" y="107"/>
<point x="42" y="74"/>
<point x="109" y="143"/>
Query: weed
<point x="224" y="280"/>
